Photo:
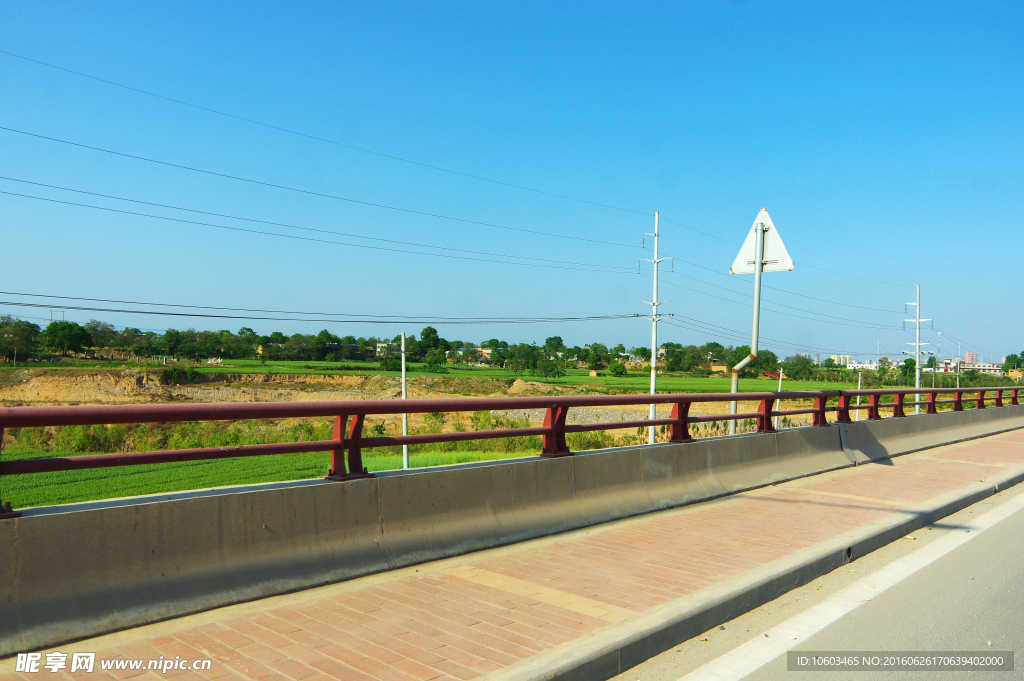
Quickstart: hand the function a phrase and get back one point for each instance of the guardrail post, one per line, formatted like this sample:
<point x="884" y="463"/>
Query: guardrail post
<point x="999" y="397"/>
<point x="1013" y="397"/>
<point x="843" y="409"/>
<point x="897" y="401"/>
<point x="958" y="401"/>
<point x="680" y="430"/>
<point x="554" y="442"/>
<point x="873" y="401"/>
<point x="818" y="417"/>
<point x="764" y="419"/>
<point x="981" y="399"/>
<point x="5" y="507"/>
<point x="351" y="443"/>
<point x="932" y="409"/>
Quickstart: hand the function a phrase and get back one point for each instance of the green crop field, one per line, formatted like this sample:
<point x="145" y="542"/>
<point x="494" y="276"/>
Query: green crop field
<point x="633" y="382"/>
<point x="65" y="487"/>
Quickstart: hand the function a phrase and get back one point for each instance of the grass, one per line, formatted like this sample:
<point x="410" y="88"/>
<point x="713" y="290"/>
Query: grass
<point x="66" y="487"/>
<point x="633" y="382"/>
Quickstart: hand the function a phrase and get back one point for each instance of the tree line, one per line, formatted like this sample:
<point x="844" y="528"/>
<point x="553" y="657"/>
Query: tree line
<point x="24" y="339"/>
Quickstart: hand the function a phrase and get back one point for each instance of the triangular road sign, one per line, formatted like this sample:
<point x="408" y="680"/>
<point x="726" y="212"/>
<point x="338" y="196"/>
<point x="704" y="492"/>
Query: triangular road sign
<point x="776" y="258"/>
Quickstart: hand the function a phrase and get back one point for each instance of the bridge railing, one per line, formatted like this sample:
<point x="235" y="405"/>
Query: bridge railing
<point x="348" y="441"/>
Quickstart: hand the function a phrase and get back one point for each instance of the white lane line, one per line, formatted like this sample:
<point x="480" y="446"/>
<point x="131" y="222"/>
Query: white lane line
<point x="759" y="651"/>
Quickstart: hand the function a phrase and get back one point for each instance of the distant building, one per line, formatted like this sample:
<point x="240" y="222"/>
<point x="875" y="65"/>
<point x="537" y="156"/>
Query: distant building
<point x="841" y="360"/>
<point x="383" y="349"/>
<point x="861" y="366"/>
<point x="970" y="357"/>
<point x="983" y="367"/>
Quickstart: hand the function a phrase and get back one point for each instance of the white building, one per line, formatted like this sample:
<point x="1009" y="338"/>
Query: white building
<point x="856" y="365"/>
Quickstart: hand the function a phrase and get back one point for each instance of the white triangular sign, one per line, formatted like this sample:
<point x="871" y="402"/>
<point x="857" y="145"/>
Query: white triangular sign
<point x="776" y="258"/>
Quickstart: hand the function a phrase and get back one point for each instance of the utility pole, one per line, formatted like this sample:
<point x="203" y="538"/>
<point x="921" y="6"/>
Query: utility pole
<point x="917" y="346"/>
<point x="958" y="365"/>
<point x="651" y="430"/>
<point x="405" y="417"/>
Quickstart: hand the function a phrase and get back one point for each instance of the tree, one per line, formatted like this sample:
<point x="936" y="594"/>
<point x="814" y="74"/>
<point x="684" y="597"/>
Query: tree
<point x="617" y="368"/>
<point x="908" y="371"/>
<point x="66" y="337"/>
<point x="522" y="357"/>
<point x="829" y="363"/>
<point x="548" y="369"/>
<point x="18" y="337"/>
<point x="436" y="360"/>
<point x="103" y="333"/>
<point x="643" y="353"/>
<point x="429" y="338"/>
<point x="552" y="346"/>
<point x="470" y="356"/>
<point x="1012" y="362"/>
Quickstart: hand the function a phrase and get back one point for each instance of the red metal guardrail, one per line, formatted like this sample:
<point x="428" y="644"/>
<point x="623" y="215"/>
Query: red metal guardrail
<point x="349" y="416"/>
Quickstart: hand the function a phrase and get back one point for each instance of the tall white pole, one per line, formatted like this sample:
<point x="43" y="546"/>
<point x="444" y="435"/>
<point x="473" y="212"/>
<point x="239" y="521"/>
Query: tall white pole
<point x="780" y="390"/>
<point x="405" y="417"/>
<point x="860" y="377"/>
<point x="758" y="267"/>
<point x="917" y="372"/>
<point x="651" y="430"/>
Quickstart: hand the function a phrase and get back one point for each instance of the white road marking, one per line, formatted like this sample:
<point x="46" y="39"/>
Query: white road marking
<point x="759" y="651"/>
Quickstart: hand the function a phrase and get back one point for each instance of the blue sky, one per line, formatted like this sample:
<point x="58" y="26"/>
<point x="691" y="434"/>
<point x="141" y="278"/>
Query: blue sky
<point x="884" y="139"/>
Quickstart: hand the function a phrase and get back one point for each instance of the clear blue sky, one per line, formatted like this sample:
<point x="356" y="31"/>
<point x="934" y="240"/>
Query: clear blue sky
<point x="884" y="139"/>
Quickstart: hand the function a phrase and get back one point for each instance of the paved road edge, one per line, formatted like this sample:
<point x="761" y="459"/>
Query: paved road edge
<point x="611" y="651"/>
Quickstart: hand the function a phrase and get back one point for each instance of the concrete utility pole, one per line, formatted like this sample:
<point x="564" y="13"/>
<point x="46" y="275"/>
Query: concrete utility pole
<point x="405" y="417"/>
<point x="651" y="430"/>
<point x="917" y="346"/>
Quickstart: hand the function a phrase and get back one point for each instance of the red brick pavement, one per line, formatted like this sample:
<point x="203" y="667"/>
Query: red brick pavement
<point x="463" y="618"/>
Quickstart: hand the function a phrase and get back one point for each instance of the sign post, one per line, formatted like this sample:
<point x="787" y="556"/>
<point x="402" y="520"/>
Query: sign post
<point x="762" y="251"/>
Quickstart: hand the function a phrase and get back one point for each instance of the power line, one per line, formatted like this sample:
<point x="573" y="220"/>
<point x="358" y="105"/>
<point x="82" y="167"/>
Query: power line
<point x="323" y="139"/>
<point x="973" y="321"/>
<point x="281" y="224"/>
<point x="782" y="290"/>
<point x="290" y="312"/>
<point x="733" y="334"/>
<point x="309" y="192"/>
<point x="364" y="319"/>
<point x="859" y="325"/>
<point x="589" y="268"/>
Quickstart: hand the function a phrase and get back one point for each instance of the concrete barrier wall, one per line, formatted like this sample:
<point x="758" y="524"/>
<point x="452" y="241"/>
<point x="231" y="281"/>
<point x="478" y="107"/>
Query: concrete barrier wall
<point x="84" y="570"/>
<point x="875" y="440"/>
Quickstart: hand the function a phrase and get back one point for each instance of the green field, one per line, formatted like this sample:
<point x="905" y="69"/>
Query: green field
<point x="65" y="487"/>
<point x="633" y="382"/>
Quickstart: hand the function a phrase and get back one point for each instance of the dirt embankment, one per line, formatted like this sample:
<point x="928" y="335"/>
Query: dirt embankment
<point x="32" y="387"/>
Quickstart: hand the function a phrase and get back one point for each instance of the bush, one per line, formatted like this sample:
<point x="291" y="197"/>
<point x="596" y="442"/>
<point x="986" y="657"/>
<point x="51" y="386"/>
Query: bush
<point x="617" y="368"/>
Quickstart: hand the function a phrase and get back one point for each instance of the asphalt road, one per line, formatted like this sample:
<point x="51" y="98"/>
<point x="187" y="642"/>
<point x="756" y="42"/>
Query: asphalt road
<point x="971" y="599"/>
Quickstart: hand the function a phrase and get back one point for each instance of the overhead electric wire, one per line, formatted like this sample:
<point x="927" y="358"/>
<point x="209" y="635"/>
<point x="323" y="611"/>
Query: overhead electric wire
<point x="393" y="157"/>
<point x="364" y="319"/>
<point x="973" y="321"/>
<point x="614" y="269"/>
<point x="310" y="192"/>
<point x="792" y="307"/>
<point x="292" y="312"/>
<point x="278" y="224"/>
<point x="775" y="288"/>
<point x="321" y="139"/>
<point x="788" y="314"/>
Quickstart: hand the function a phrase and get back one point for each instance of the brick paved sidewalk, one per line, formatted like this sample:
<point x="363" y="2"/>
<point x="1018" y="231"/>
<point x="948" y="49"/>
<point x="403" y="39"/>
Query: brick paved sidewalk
<point x="465" y="617"/>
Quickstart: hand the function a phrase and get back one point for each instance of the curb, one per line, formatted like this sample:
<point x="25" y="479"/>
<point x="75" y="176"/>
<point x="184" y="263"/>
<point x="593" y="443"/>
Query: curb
<point x="615" y="649"/>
